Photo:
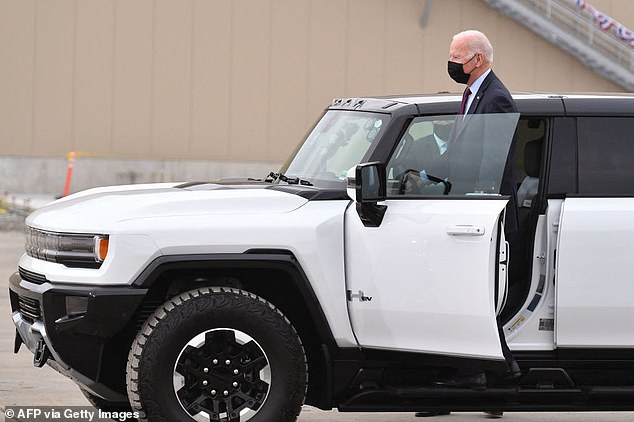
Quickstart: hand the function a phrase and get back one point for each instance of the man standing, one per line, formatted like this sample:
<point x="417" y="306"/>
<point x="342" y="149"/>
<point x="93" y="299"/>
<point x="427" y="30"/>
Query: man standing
<point x="470" y="60"/>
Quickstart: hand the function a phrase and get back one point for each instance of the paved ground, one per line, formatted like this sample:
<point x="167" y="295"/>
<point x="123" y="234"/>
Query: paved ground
<point x="22" y="384"/>
<point x="15" y="206"/>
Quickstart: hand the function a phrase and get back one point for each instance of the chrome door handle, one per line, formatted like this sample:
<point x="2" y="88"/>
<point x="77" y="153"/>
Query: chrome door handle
<point x="465" y="230"/>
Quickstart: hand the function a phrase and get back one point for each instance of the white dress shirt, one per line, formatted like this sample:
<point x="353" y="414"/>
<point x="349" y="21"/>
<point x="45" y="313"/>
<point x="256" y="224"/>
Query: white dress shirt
<point x="475" y="87"/>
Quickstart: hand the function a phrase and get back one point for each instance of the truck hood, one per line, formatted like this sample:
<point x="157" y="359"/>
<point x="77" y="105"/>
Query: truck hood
<point x="100" y="209"/>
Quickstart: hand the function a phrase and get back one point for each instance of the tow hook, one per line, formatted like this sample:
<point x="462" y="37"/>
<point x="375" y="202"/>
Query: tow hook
<point x="41" y="354"/>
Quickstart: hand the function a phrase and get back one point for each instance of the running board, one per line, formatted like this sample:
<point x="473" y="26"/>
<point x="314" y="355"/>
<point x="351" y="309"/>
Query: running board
<point x="505" y="399"/>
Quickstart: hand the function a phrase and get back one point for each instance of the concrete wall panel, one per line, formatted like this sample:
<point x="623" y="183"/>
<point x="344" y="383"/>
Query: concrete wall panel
<point x="327" y="54"/>
<point x="211" y="79"/>
<point x="54" y="68"/>
<point x="172" y="78"/>
<point x="93" y="77"/>
<point x="288" y="76"/>
<point x="17" y="41"/>
<point x="435" y="46"/>
<point x="367" y="47"/>
<point x="133" y="102"/>
<point x="403" y="55"/>
<point x="250" y="78"/>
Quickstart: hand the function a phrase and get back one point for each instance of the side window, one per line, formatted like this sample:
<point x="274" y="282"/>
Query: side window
<point x="606" y="154"/>
<point x="423" y="147"/>
<point x="562" y="175"/>
<point x="446" y="155"/>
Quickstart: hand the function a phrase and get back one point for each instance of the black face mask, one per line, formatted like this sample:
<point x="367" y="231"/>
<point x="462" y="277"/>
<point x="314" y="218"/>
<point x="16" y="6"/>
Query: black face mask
<point x="456" y="71"/>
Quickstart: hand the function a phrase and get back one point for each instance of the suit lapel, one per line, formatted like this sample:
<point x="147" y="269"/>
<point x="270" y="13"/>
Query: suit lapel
<point x="475" y="104"/>
<point x="473" y="108"/>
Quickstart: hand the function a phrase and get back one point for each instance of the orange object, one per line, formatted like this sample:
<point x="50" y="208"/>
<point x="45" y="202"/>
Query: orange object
<point x="69" y="172"/>
<point x="102" y="248"/>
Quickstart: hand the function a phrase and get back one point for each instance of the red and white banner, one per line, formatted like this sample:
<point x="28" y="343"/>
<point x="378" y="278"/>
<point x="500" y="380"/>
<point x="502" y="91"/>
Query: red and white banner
<point x="606" y="23"/>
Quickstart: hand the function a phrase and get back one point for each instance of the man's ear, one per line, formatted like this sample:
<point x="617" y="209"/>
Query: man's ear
<point x="479" y="59"/>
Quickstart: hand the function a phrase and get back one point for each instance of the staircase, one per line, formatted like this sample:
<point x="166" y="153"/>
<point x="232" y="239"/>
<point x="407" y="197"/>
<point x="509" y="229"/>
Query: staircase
<point x="562" y="23"/>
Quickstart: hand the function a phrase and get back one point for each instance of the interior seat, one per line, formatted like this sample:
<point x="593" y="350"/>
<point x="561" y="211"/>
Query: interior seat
<point x="520" y="267"/>
<point x="528" y="188"/>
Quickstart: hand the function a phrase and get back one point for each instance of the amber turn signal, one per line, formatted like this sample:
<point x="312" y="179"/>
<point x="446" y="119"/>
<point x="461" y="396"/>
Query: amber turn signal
<point x="101" y="248"/>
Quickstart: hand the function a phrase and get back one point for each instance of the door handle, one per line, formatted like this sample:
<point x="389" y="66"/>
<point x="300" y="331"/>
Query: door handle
<point x="465" y="230"/>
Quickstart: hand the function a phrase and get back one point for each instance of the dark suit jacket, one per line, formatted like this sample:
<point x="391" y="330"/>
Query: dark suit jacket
<point x="428" y="157"/>
<point x="492" y="97"/>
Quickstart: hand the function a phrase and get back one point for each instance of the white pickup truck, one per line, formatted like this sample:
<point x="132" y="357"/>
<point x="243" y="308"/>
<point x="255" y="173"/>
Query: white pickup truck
<point x="378" y="258"/>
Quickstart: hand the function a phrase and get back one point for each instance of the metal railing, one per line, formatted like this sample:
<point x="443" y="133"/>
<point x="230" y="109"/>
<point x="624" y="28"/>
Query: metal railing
<point x="574" y="30"/>
<point x="581" y="23"/>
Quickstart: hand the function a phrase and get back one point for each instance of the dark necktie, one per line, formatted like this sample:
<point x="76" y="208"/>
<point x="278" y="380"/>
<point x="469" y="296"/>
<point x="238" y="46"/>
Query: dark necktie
<point x="456" y="126"/>
<point x="465" y="98"/>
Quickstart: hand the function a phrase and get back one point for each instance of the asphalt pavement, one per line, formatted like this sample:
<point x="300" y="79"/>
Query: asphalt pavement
<point x="24" y="385"/>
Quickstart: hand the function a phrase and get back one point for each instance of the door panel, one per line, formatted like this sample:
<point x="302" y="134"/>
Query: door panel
<point x="429" y="270"/>
<point x="595" y="292"/>
<point x="424" y="280"/>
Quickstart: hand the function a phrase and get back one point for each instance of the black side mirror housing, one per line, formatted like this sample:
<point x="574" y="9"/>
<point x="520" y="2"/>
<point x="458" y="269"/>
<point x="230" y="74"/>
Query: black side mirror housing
<point x="370" y="183"/>
<point x="370" y="188"/>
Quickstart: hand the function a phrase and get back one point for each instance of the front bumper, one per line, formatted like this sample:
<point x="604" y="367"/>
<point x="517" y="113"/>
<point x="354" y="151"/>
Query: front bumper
<point x="89" y="344"/>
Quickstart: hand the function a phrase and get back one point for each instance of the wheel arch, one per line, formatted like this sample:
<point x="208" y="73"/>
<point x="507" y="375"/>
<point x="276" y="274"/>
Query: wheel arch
<point x="274" y="275"/>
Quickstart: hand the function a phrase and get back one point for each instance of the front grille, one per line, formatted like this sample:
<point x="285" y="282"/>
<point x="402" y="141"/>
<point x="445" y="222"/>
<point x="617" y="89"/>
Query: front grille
<point x="29" y="308"/>
<point x="31" y="277"/>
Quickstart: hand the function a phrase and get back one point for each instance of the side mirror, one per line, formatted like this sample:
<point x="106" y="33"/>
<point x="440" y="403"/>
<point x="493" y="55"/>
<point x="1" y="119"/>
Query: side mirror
<point x="368" y="187"/>
<point x="370" y="180"/>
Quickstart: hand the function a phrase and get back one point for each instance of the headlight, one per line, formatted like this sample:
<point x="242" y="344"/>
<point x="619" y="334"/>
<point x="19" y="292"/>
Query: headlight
<point x="72" y="250"/>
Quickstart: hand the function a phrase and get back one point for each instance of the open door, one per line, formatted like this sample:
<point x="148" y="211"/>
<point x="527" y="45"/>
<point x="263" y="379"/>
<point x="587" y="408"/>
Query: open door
<point x="424" y="277"/>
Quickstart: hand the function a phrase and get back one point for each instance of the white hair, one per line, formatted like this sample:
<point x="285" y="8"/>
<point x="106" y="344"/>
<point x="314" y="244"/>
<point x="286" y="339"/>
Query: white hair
<point x="477" y="42"/>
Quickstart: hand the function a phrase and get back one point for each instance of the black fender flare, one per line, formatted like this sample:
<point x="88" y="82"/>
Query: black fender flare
<point x="254" y="259"/>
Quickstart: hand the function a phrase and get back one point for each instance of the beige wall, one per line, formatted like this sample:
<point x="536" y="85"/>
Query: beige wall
<point x="236" y="79"/>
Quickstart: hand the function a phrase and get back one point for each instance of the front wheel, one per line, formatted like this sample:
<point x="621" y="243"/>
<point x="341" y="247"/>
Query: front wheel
<point x="217" y="354"/>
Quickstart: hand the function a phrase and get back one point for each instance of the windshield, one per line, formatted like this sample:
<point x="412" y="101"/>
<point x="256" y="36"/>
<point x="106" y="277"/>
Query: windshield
<point x="338" y="142"/>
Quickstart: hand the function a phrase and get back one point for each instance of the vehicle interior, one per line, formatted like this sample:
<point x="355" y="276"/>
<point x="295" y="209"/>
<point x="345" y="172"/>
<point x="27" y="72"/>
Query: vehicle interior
<point x="529" y="141"/>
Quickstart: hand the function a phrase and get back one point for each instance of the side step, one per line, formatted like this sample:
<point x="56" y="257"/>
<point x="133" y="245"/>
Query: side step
<point x="546" y="378"/>
<point x="543" y="389"/>
<point x="452" y="399"/>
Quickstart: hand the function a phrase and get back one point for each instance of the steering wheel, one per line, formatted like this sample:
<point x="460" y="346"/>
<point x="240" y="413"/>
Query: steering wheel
<point x="416" y="184"/>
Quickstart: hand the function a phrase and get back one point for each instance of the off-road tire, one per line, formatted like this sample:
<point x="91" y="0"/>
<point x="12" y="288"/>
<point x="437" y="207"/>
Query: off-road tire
<point x="165" y="341"/>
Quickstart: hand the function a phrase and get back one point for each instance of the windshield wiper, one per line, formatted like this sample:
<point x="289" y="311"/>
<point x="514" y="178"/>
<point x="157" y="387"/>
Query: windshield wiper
<point x="290" y="180"/>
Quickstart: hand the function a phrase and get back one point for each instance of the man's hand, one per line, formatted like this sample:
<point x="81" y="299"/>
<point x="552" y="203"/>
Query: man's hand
<point x="412" y="183"/>
<point x="419" y="183"/>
